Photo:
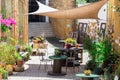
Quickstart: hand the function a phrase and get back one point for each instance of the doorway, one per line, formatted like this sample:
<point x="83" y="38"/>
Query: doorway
<point x="33" y="6"/>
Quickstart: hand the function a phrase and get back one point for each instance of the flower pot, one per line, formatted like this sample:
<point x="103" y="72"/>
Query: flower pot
<point x="20" y="63"/>
<point x="0" y="76"/>
<point x="68" y="46"/>
<point x="76" y="46"/>
<point x="35" y="41"/>
<point x="9" y="68"/>
<point x="19" y="69"/>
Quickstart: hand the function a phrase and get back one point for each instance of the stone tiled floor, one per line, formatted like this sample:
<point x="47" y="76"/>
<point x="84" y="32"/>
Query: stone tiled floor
<point x="32" y="73"/>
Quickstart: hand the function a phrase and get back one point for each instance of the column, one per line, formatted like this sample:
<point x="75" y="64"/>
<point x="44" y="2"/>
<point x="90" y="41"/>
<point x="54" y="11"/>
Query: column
<point x="8" y="8"/>
<point x="25" y="22"/>
<point x="15" y="12"/>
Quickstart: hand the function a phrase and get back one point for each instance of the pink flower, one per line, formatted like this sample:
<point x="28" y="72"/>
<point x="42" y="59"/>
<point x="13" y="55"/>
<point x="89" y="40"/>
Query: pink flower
<point x="13" y="22"/>
<point x="6" y="22"/>
<point x="21" y="36"/>
<point x="0" y="18"/>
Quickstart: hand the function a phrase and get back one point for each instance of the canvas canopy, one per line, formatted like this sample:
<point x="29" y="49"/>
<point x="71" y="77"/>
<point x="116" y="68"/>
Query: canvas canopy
<point x="89" y="11"/>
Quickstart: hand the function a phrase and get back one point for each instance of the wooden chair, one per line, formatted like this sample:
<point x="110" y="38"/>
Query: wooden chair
<point x="73" y="59"/>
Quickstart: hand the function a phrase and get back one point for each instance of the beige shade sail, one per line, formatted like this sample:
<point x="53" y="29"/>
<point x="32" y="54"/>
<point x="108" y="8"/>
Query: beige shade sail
<point x="89" y="11"/>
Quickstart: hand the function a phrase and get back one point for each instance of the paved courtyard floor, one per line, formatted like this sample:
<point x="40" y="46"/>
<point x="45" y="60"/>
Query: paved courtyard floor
<point x="32" y="73"/>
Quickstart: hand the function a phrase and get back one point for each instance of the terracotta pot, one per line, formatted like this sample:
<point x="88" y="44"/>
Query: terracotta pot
<point x="9" y="68"/>
<point x="35" y="41"/>
<point x="0" y="76"/>
<point x="20" y="63"/>
<point x="76" y="45"/>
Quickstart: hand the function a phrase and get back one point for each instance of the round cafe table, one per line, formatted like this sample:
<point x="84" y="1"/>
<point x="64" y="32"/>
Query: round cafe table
<point x="57" y="65"/>
<point x="87" y="77"/>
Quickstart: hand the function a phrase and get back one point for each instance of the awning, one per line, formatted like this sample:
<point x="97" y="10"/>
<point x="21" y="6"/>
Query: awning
<point x="89" y="11"/>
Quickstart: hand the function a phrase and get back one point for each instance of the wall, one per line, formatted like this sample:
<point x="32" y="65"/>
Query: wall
<point x="114" y="18"/>
<point x="62" y="27"/>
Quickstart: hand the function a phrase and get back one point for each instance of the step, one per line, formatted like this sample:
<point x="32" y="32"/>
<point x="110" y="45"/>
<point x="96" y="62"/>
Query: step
<point x="37" y="28"/>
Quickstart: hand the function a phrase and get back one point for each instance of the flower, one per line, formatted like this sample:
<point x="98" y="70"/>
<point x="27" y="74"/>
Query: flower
<point x="87" y="72"/>
<point x="70" y="41"/>
<point x="6" y="23"/>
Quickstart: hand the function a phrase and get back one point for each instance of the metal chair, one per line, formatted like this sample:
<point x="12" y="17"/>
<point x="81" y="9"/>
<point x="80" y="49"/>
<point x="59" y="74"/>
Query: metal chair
<point x="43" y="55"/>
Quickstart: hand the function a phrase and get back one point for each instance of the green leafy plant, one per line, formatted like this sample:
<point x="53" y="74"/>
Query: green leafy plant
<point x="7" y="53"/>
<point x="57" y="52"/>
<point x="39" y="39"/>
<point x="18" y="57"/>
<point x="4" y="73"/>
<point x="29" y="48"/>
<point x="99" y="52"/>
<point x="70" y="41"/>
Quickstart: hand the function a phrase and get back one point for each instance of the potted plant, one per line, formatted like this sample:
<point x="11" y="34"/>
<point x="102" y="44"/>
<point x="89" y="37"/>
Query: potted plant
<point x="38" y="39"/>
<point x="3" y="73"/>
<point x="27" y="50"/>
<point x="7" y="55"/>
<point x="98" y="51"/>
<point x="70" y="42"/>
<point x="19" y="60"/>
<point x="9" y="68"/>
<point x="57" y="52"/>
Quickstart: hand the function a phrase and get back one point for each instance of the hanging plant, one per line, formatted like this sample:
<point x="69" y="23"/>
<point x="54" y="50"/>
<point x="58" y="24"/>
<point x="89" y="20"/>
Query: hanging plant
<point x="6" y="26"/>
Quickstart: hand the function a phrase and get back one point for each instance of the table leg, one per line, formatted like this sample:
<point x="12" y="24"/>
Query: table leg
<point x="57" y="69"/>
<point x="57" y="66"/>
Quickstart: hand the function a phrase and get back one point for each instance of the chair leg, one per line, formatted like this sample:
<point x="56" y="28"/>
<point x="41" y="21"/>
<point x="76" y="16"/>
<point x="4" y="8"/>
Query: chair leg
<point x="66" y="66"/>
<point x="73" y="67"/>
<point x="45" y="66"/>
<point x="39" y="65"/>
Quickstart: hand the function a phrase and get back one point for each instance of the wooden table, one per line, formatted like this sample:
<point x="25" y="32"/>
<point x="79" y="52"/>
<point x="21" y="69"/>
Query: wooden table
<point x="57" y="67"/>
<point x="87" y="77"/>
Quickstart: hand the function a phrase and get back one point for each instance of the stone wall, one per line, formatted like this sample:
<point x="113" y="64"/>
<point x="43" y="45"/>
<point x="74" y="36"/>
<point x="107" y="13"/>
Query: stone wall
<point x="62" y="27"/>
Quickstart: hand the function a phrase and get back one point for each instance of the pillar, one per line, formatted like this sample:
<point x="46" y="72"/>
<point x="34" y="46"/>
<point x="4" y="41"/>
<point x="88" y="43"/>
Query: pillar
<point x="15" y="12"/>
<point x="25" y="22"/>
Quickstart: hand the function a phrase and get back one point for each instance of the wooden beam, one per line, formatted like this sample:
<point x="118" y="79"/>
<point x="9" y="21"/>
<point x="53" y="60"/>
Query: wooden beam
<point x="15" y="12"/>
<point x="8" y="8"/>
<point x="25" y="26"/>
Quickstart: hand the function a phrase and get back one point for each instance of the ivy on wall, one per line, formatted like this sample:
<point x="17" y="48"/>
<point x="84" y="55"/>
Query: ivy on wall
<point x="85" y="1"/>
<point x="89" y="1"/>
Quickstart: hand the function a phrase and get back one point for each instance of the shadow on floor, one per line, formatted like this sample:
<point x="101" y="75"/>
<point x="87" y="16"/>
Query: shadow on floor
<point x="33" y="72"/>
<point x="54" y="41"/>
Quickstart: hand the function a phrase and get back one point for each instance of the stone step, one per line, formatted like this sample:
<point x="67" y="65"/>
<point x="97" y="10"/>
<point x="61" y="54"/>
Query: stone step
<point x="37" y="28"/>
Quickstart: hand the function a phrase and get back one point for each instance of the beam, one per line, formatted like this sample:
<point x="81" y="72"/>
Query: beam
<point x="25" y="22"/>
<point x="15" y="12"/>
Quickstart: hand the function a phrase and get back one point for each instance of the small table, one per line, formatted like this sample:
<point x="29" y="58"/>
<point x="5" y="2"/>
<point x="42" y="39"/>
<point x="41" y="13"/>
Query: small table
<point x="57" y="65"/>
<point x="87" y="77"/>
